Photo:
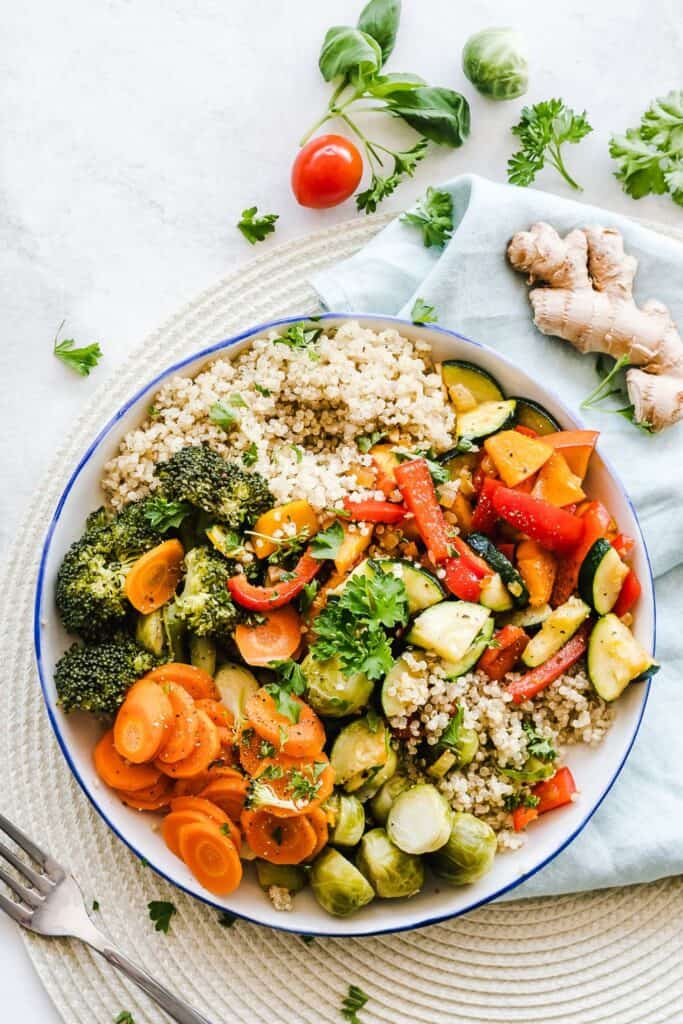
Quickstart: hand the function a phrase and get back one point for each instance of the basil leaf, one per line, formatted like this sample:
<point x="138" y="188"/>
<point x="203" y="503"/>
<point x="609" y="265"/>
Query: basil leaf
<point x="346" y="51"/>
<point x="380" y="20"/>
<point x="384" y="85"/>
<point x="439" y="114"/>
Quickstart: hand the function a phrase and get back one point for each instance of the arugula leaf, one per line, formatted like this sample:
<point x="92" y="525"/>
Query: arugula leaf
<point x="543" y="129"/>
<point x="326" y="544"/>
<point x="380" y="19"/>
<point x="433" y="215"/>
<point x="441" y="115"/>
<point x="650" y="157"/>
<point x="82" y="360"/>
<point x="355" y="1001"/>
<point x="422" y="313"/>
<point x="299" y="337"/>
<point x="255" y="228"/>
<point x="221" y="415"/>
<point x="537" y="744"/>
<point x="367" y="441"/>
<point x="161" y="912"/>
<point x="164" y="514"/>
<point x="346" y="51"/>
<point x="250" y="454"/>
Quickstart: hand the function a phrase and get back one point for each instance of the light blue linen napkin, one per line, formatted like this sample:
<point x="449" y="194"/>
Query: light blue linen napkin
<point x="637" y="834"/>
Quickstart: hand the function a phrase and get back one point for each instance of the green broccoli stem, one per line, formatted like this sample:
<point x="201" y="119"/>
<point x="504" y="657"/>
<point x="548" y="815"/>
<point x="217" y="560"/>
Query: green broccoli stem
<point x="558" y="163"/>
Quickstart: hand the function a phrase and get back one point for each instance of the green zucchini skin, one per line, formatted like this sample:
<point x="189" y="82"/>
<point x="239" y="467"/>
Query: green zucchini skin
<point x="601" y="575"/>
<point x="503" y="566"/>
<point x="487" y="419"/>
<point x="479" y="382"/>
<point x="422" y="587"/>
<point x="533" y="415"/>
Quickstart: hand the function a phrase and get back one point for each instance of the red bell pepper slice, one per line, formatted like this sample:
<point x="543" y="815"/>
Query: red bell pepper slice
<point x="552" y="527"/>
<point x="623" y="545"/>
<point x="417" y="487"/>
<point x="508" y="550"/>
<point x="555" y="792"/>
<point x="527" y="431"/>
<point x="461" y="580"/>
<point x="264" y="599"/>
<point x="521" y="816"/>
<point x="628" y="595"/>
<point x="477" y="565"/>
<point x="485" y="516"/>
<point x="597" y="523"/>
<point x="497" y="661"/>
<point x="531" y="683"/>
<point x="375" y="511"/>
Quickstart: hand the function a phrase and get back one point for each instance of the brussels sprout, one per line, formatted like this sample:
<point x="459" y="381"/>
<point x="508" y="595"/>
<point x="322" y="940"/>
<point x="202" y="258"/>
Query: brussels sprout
<point x="359" y="748"/>
<point x="469" y="852"/>
<point x="495" y="61"/>
<point x="330" y="692"/>
<point x="287" y="876"/>
<point x="235" y="684"/>
<point x="381" y="803"/>
<point x="338" y="885"/>
<point x="391" y="872"/>
<point x="149" y="632"/>
<point x="419" y="820"/>
<point x="348" y="817"/>
<point x="370" y="783"/>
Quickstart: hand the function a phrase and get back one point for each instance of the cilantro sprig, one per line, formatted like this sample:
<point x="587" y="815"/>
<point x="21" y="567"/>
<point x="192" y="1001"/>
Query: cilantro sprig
<point x="254" y="228"/>
<point x="542" y="130"/>
<point x="433" y="216"/>
<point x="81" y="360"/>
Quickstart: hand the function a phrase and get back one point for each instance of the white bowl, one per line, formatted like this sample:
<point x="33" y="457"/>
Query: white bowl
<point x="595" y="769"/>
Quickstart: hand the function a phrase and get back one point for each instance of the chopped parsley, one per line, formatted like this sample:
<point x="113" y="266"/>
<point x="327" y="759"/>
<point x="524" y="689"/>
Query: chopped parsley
<point x="434" y="217"/>
<point x="353" y="1003"/>
<point x="96" y="905"/>
<point x="298" y="452"/>
<point x="266" y="749"/>
<point x="165" y="515"/>
<point x="537" y="744"/>
<point x="327" y="543"/>
<point x="161" y="912"/>
<point x="307" y="939"/>
<point x="438" y="473"/>
<point x="291" y="683"/>
<point x="422" y="313"/>
<point x="308" y="596"/>
<point x="299" y="337"/>
<point x="226" y="920"/>
<point x="451" y="734"/>
<point x="125" y="1017"/>
<point x="367" y="441"/>
<point x="82" y="360"/>
<point x="225" y="829"/>
<point x="522" y="798"/>
<point x="153" y="412"/>
<point x="221" y="415"/>
<point x="236" y="401"/>
<point x="255" y="228"/>
<point x="262" y="391"/>
<point x="250" y="454"/>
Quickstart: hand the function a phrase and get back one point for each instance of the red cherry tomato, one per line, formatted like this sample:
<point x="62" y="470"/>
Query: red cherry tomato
<point x="326" y="171"/>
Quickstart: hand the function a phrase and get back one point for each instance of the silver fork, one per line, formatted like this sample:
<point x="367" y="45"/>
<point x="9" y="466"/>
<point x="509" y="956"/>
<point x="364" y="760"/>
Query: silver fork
<point x="52" y="904"/>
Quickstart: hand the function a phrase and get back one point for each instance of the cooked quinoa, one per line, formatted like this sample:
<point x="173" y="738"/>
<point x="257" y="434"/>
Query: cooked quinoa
<point x="354" y="381"/>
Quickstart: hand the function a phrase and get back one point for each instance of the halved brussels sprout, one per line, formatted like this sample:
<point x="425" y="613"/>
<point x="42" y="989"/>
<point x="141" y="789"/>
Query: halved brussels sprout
<point x="287" y="876"/>
<point x="370" y="783"/>
<point x="360" y="746"/>
<point x="149" y="632"/>
<point x="495" y="61"/>
<point x="469" y="852"/>
<point x="348" y="819"/>
<point x="391" y="872"/>
<point x="420" y="819"/>
<point x="338" y="885"/>
<point x="235" y="684"/>
<point x="381" y="803"/>
<point x="330" y="692"/>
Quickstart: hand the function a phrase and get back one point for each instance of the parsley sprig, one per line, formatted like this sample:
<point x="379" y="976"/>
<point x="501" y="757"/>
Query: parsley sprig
<point x="433" y="216"/>
<point x="353" y="1003"/>
<point x="354" y="627"/>
<point x="650" y="157"/>
<point x="326" y="543"/>
<point x="82" y="360"/>
<point x="291" y="682"/>
<point x="165" y="515"/>
<point x="255" y="228"/>
<point x="300" y="337"/>
<point x="538" y="745"/>
<point x="161" y="912"/>
<point x="542" y="130"/>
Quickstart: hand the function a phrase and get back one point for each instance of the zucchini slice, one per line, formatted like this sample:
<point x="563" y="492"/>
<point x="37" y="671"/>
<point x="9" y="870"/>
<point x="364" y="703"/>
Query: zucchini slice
<point x="615" y="657"/>
<point x="459" y="374"/>
<point x="601" y="576"/>
<point x="503" y="566"/>
<point x="528" y="618"/>
<point x="456" y="462"/>
<point x="531" y="414"/>
<point x="472" y="656"/>
<point x="422" y="587"/>
<point x="449" y="629"/>
<point x="488" y="418"/>
<point x="495" y="595"/>
<point x="557" y="629"/>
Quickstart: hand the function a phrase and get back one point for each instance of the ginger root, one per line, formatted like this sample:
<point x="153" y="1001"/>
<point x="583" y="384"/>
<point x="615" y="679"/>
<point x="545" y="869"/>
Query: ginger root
<point x="586" y="298"/>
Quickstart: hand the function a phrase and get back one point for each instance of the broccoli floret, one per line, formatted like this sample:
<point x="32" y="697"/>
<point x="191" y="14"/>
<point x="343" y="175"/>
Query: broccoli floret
<point x="90" y="580"/>
<point x="201" y="476"/>
<point x="96" y="677"/>
<point x="205" y="605"/>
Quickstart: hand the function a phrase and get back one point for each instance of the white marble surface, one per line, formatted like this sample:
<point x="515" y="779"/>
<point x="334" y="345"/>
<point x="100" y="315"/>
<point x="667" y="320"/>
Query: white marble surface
<point x="135" y="132"/>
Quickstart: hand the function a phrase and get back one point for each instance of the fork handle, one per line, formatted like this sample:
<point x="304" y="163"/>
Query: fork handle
<point x="175" y="1007"/>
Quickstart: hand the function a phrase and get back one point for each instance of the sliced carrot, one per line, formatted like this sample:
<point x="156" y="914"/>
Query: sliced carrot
<point x="182" y="734"/>
<point x="118" y="773"/>
<point x="211" y="857"/>
<point x="207" y="748"/>
<point x="153" y="798"/>
<point x="213" y="813"/>
<point x="229" y="793"/>
<point x="318" y="820"/>
<point x="278" y="522"/>
<point x="254" y="751"/>
<point x="274" y="639"/>
<point x="153" y="578"/>
<point x="198" y="683"/>
<point x="301" y="784"/>
<point x="172" y="824"/>
<point x="142" y="723"/>
<point x="304" y="738"/>
<point x="279" y="840"/>
<point x="222" y="718"/>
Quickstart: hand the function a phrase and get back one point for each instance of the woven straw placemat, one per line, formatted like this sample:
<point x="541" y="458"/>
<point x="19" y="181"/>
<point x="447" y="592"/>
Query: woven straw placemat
<point x="612" y="956"/>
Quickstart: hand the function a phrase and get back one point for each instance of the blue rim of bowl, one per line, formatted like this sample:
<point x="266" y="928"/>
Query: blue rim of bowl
<point x="90" y="451"/>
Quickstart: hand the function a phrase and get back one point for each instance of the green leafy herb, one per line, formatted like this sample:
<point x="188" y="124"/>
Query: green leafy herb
<point x="82" y="360"/>
<point x="307" y="939"/>
<point x="438" y="472"/>
<point x="299" y="337"/>
<point x="255" y="228"/>
<point x="308" y="595"/>
<point x="226" y="920"/>
<point x="272" y="771"/>
<point x="161" y="912"/>
<point x="266" y="749"/>
<point x="353" y="58"/>
<point x="285" y="547"/>
<point x="433" y="215"/>
<point x="221" y="415"/>
<point x="422" y="313"/>
<point x="367" y="441"/>
<point x="612" y="374"/>
<point x="465" y="445"/>
<point x="354" y="1002"/>
<point x="237" y="402"/>
<point x="354" y="627"/>
<point x="165" y="515"/>
<point x="302" y="789"/>
<point x="542" y="130"/>
<point x="650" y="157"/>
<point x="537" y="744"/>
<point x="291" y="683"/>
<point x="327" y="543"/>
<point x="250" y="454"/>
<point x="125" y="1017"/>
<point x="153" y="412"/>
<point x="262" y="391"/>
<point x="298" y="452"/>
<point x="96" y="905"/>
<point x="372" y="720"/>
<point x="522" y="798"/>
<point x="450" y="736"/>
<point x="225" y="829"/>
